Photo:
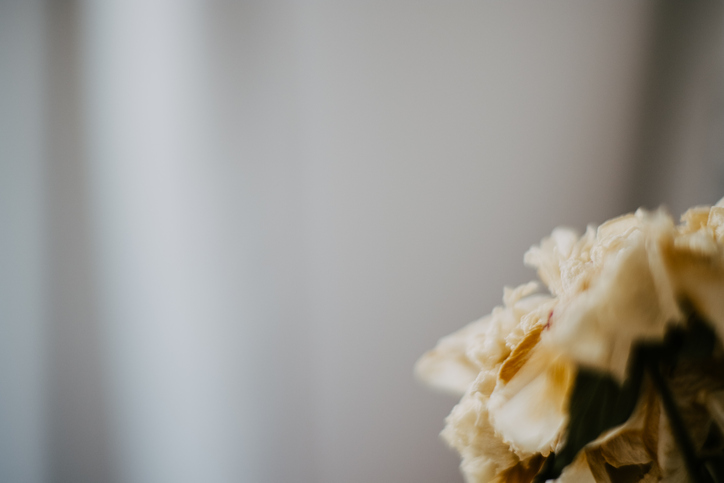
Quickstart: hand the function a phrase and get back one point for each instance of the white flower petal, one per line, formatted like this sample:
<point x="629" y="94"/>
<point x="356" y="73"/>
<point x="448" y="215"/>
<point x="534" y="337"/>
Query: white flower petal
<point x="617" y="285"/>
<point x="447" y="367"/>
<point x="484" y="454"/>
<point x="530" y="412"/>
<point x="631" y="299"/>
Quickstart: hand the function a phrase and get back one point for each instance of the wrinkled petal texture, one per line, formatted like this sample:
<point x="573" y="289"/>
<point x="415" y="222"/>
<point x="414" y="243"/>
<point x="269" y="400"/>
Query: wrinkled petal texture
<point x="618" y="284"/>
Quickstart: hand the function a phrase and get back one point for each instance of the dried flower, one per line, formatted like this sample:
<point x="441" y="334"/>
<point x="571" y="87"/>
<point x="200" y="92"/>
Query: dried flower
<point x="629" y="282"/>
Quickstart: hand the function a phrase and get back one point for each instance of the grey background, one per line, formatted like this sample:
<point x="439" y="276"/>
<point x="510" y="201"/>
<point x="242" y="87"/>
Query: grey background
<point x="228" y="230"/>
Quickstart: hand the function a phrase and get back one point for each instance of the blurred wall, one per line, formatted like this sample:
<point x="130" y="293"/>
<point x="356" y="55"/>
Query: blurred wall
<point x="23" y="292"/>
<point x="231" y="229"/>
<point x="677" y="150"/>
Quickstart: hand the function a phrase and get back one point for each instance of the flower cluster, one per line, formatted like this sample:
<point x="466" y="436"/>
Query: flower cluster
<point x="626" y="282"/>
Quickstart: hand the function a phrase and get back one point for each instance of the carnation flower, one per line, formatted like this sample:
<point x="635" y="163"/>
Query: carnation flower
<point x="625" y="297"/>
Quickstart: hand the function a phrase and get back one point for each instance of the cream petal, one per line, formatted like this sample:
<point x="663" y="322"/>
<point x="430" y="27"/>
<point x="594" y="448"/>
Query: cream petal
<point x="699" y="279"/>
<point x="716" y="222"/>
<point x="577" y="472"/>
<point x="700" y="242"/>
<point x="618" y="284"/>
<point x="630" y="447"/>
<point x="458" y="358"/>
<point x="468" y="430"/>
<point x="447" y="367"/>
<point x="694" y="219"/>
<point x="547" y="257"/>
<point x="629" y="300"/>
<point x="511" y="296"/>
<point x="530" y="411"/>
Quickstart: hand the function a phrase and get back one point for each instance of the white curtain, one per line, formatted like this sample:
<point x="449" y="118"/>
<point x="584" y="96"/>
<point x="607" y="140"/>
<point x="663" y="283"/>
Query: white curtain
<point x="229" y="230"/>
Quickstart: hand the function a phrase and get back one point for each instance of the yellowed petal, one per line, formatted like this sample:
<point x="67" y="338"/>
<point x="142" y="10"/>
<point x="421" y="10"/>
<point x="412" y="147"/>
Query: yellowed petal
<point x="631" y="299"/>
<point x="700" y="242"/>
<point x="468" y="430"/>
<point x="629" y="452"/>
<point x="612" y="236"/>
<point x="447" y="367"/>
<point x="458" y="358"/>
<point x="511" y="296"/>
<point x="547" y="257"/>
<point x="530" y="411"/>
<point x="695" y="219"/>
<point x="523" y="472"/>
<point x="615" y="286"/>
<point x="699" y="279"/>
<point x="520" y="355"/>
<point x="577" y="472"/>
<point x="716" y="222"/>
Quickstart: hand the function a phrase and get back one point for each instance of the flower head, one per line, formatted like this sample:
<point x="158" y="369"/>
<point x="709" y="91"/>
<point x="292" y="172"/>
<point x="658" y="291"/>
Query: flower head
<point x="624" y="283"/>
